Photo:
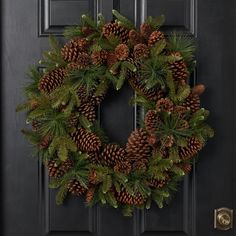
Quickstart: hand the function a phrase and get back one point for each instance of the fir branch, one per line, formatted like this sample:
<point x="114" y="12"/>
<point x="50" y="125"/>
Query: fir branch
<point x="122" y="20"/>
<point x="71" y="32"/>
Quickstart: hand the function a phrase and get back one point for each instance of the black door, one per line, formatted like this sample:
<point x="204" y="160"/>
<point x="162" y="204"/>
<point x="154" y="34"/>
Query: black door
<point x="28" y="207"/>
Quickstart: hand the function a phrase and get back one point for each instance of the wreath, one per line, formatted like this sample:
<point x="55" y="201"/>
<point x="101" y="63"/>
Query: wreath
<point x="71" y="81"/>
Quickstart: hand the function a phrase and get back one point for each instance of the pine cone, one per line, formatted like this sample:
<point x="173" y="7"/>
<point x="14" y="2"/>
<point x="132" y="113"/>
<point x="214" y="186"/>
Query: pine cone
<point x="155" y="37"/>
<point x="150" y="94"/>
<point x="122" y="52"/>
<point x="86" y="141"/>
<point x="145" y="30"/>
<point x="98" y="99"/>
<point x="192" y="102"/>
<point x="179" y="70"/>
<point x="45" y="142"/>
<point x="140" y="51"/>
<point x="182" y="125"/>
<point x="111" y="60"/>
<point x="186" y="167"/>
<point x="75" y="188"/>
<point x="113" y="29"/>
<point x="168" y="141"/>
<point x="83" y="95"/>
<point x="83" y="60"/>
<point x="155" y="183"/>
<point x="151" y="121"/>
<point x="88" y="110"/>
<point x="137" y="147"/>
<point x="124" y="197"/>
<point x="152" y="139"/>
<point x="73" y="120"/>
<point x="123" y="167"/>
<point x="164" y="104"/>
<point x="93" y="157"/>
<point x="135" y="37"/>
<point x="99" y="57"/>
<point x="112" y="154"/>
<point x="52" y="80"/>
<point x="193" y="147"/>
<point x="58" y="170"/>
<point x="93" y="179"/>
<point x="73" y="49"/>
<point x="140" y="165"/>
<point x="89" y="195"/>
<point x="35" y="125"/>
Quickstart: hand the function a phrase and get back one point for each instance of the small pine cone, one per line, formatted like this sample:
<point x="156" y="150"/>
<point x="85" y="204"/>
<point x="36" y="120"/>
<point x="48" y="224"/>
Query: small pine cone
<point x="155" y="37"/>
<point x="180" y="109"/>
<point x="73" y="120"/>
<point x="152" y="139"/>
<point x="186" y="167"/>
<point x="123" y="167"/>
<point x="83" y="60"/>
<point x="58" y="170"/>
<point x="52" y="80"/>
<point x="112" y="154"/>
<point x="155" y="183"/>
<point x="98" y="99"/>
<point x="88" y="110"/>
<point x="33" y="104"/>
<point x="135" y="37"/>
<point x="193" y="147"/>
<point x="140" y="51"/>
<point x="89" y="195"/>
<point x="192" y="102"/>
<point x="124" y="197"/>
<point x="35" y="125"/>
<point x="72" y="66"/>
<point x="151" y="121"/>
<point x="45" y="142"/>
<point x="163" y="151"/>
<point x="150" y="94"/>
<point x="164" y="104"/>
<point x="179" y="69"/>
<point x="198" y="89"/>
<point x="75" y="188"/>
<point x="145" y="30"/>
<point x="168" y="141"/>
<point x="86" y="141"/>
<point x="183" y="124"/>
<point x="137" y="147"/>
<point x="111" y="59"/>
<point x="99" y="57"/>
<point x="140" y="165"/>
<point x="87" y="31"/>
<point x="122" y="52"/>
<point x="93" y="157"/>
<point x="114" y="29"/>
<point x="93" y="179"/>
<point x="83" y="95"/>
<point x="73" y="49"/>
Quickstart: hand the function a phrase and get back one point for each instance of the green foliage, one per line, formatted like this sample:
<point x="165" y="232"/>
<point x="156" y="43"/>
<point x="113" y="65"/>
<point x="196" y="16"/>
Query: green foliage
<point x="122" y="20"/>
<point x="33" y="137"/>
<point x="71" y="32"/>
<point x="97" y="129"/>
<point x="185" y="45"/>
<point x="157" y="22"/>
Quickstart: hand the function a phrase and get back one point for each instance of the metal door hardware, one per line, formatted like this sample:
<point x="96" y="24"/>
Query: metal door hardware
<point x="223" y="218"/>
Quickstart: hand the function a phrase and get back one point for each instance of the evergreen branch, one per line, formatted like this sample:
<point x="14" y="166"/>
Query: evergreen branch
<point x="122" y="20"/>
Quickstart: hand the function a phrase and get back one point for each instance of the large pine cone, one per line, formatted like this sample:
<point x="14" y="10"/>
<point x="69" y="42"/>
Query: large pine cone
<point x="192" y="102"/>
<point x="86" y="141"/>
<point x="75" y="188"/>
<point x="124" y="197"/>
<point x="179" y="70"/>
<point x="113" y="29"/>
<point x="193" y="147"/>
<point x="88" y="110"/>
<point x="151" y="121"/>
<point x="52" y="80"/>
<point x="137" y="147"/>
<point x="71" y="50"/>
<point x="112" y="154"/>
<point x="93" y="157"/>
<point x="57" y="171"/>
<point x="155" y="37"/>
<point x="155" y="183"/>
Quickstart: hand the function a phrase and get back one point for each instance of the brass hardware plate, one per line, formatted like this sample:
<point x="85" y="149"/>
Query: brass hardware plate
<point x="223" y="218"/>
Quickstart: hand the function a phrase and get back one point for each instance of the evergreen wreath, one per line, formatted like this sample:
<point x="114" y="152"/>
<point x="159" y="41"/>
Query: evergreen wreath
<point x="62" y="101"/>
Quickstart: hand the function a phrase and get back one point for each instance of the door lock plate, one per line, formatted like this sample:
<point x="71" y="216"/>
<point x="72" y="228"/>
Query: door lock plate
<point x="223" y="218"/>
